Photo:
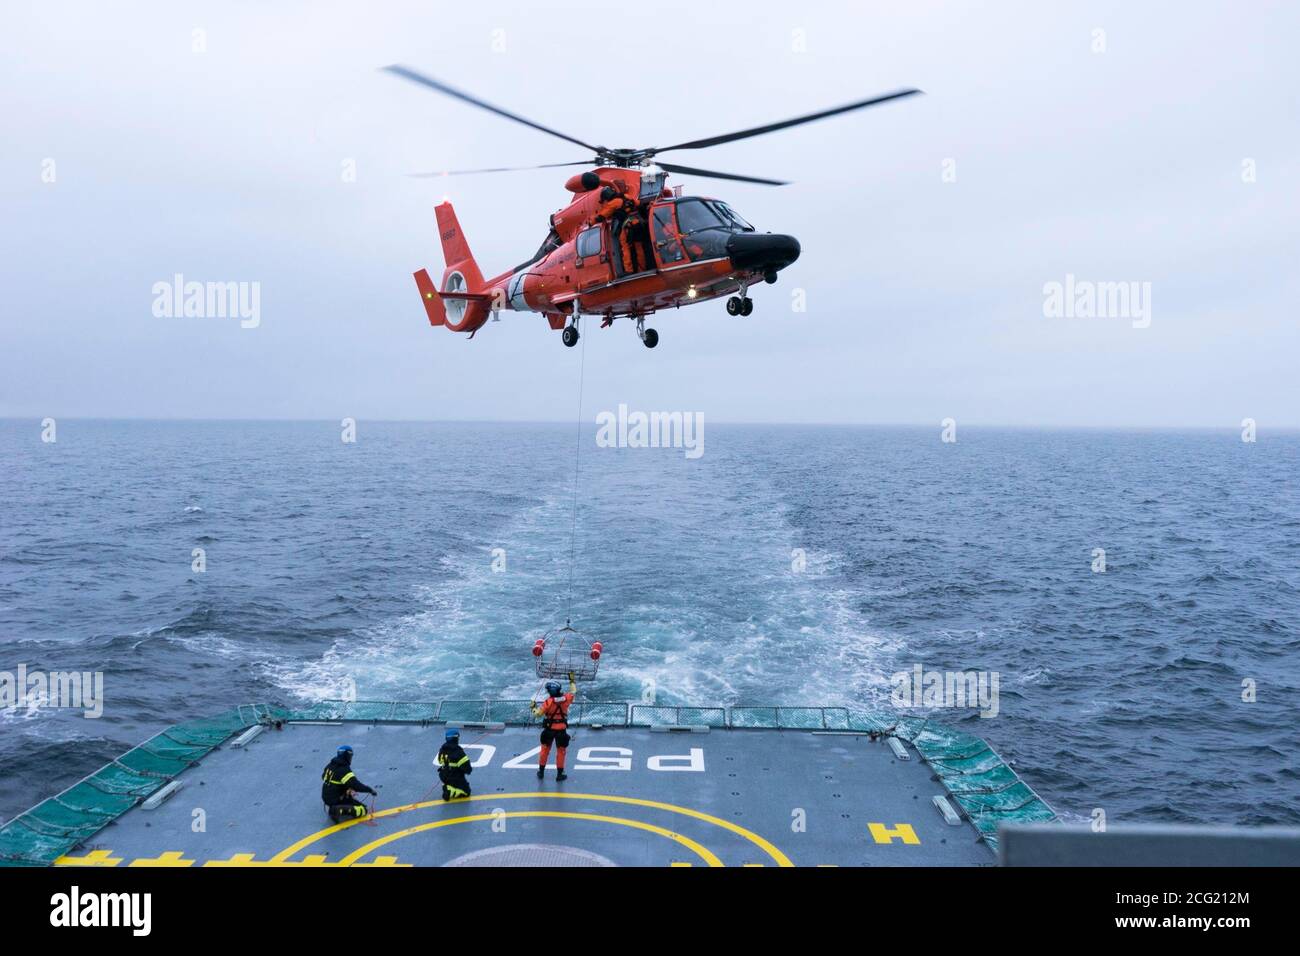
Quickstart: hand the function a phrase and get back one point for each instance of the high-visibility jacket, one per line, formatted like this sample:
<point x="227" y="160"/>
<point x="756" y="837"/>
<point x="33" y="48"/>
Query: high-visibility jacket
<point x="555" y="712"/>
<point x="453" y="762"/>
<point x="337" y="779"/>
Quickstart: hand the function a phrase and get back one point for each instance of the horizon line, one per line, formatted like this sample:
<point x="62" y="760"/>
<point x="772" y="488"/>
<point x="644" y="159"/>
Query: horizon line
<point x="569" y="422"/>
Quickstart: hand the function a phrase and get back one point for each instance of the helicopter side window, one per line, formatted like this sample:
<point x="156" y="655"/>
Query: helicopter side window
<point x="694" y="215"/>
<point x="589" y="243"/>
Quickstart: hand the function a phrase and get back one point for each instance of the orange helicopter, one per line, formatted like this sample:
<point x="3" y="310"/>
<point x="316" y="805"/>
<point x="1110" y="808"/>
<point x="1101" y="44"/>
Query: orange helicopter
<point x="626" y="245"/>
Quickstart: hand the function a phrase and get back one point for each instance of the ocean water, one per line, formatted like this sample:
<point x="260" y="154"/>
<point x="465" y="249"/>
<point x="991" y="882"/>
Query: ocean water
<point x="371" y="563"/>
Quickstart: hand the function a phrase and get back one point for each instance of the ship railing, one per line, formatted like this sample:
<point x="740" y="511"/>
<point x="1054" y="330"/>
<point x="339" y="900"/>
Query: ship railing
<point x="602" y="713"/>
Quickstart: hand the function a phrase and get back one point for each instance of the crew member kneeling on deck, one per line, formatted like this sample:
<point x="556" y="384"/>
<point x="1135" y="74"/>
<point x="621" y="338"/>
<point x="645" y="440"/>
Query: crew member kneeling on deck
<point x="339" y="785"/>
<point x="453" y="766"/>
<point x="555" y="726"/>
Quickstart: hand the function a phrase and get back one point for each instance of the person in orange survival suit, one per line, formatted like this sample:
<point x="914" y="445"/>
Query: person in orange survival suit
<point x="617" y="206"/>
<point x="635" y="236"/>
<point x="555" y="726"/>
<point x="611" y="201"/>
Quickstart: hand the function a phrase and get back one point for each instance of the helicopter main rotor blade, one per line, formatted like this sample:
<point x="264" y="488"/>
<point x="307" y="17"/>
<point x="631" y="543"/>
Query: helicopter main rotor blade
<point x="498" y="169"/>
<point x="786" y="124"/>
<point x="409" y="74"/>
<point x="692" y="171"/>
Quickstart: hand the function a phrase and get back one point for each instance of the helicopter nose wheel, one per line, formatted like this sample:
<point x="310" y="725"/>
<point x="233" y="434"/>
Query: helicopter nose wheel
<point x="570" y="335"/>
<point x="740" y="305"/>
<point x="649" y="337"/>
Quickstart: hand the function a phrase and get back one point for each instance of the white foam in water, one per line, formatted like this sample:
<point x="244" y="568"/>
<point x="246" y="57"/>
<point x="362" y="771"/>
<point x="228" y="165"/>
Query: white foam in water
<point x="696" y="596"/>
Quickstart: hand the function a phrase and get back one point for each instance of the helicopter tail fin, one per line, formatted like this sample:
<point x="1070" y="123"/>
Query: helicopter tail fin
<point x="456" y="250"/>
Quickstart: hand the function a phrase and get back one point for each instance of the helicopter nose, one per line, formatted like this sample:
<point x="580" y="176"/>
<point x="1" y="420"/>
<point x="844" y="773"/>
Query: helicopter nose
<point x="762" y="251"/>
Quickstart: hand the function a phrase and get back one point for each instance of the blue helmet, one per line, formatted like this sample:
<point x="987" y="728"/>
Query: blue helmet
<point x="345" y="750"/>
<point x="553" y="688"/>
<point x="453" y="733"/>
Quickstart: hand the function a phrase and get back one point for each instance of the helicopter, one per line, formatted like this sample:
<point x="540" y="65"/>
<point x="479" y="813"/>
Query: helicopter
<point x="683" y="249"/>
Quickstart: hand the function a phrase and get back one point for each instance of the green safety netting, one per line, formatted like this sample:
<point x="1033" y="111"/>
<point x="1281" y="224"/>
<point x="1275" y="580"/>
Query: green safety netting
<point x="976" y="778"/>
<point x="56" y="825"/>
<point x="979" y="781"/>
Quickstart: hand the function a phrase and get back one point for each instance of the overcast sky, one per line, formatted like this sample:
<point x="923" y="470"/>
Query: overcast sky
<point x="924" y="297"/>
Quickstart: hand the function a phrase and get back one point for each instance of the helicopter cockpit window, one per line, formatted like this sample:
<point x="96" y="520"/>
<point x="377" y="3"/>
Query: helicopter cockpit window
<point x="694" y="215"/>
<point x="589" y="243"/>
<point x="732" y="216"/>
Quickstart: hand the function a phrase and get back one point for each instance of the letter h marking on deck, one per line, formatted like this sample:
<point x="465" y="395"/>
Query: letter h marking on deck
<point x="883" y="834"/>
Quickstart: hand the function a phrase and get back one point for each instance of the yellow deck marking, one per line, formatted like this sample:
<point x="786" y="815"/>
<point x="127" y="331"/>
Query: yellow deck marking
<point x="703" y="853"/>
<point x="313" y="860"/>
<point x="780" y="858"/>
<point x="249" y="859"/>
<point x="170" y="858"/>
<point x="93" y="858"/>
<point x="382" y="861"/>
<point x="883" y="834"/>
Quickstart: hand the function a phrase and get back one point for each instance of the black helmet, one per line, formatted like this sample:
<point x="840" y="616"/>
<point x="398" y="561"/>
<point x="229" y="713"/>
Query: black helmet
<point x="608" y="193"/>
<point x="553" y="688"/>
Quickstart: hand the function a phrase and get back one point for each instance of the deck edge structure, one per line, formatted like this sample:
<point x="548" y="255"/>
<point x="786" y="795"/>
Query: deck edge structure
<point x="986" y="791"/>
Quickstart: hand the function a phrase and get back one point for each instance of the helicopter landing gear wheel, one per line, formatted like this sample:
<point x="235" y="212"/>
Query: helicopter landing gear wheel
<point x="740" y="304"/>
<point x="570" y="335"/>
<point x="649" y="337"/>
